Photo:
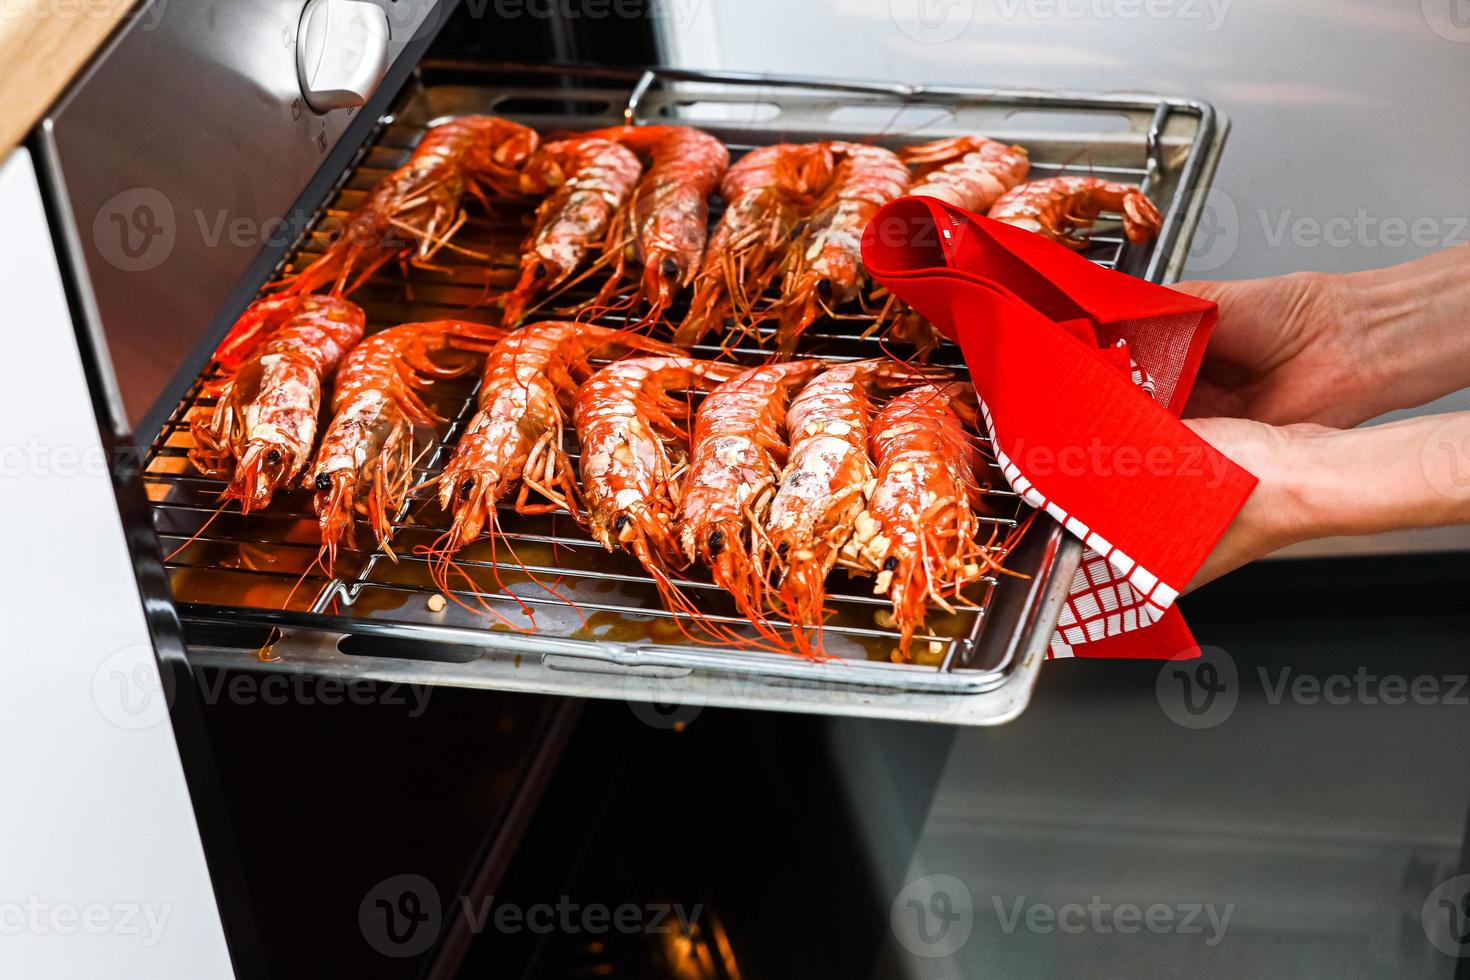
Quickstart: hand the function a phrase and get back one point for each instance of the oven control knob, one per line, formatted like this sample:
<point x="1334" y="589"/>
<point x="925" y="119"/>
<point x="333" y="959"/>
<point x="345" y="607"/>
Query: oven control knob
<point x="341" y="52"/>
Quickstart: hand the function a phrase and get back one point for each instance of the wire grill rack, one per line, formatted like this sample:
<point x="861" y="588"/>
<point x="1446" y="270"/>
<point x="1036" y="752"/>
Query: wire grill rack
<point x="589" y="606"/>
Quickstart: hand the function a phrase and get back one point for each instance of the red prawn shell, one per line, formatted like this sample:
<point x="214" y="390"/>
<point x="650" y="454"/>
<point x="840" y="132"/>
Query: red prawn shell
<point x="917" y="532"/>
<point x="1059" y="207"/>
<point x="264" y="421"/>
<point x="414" y="210"/>
<point x="736" y="455"/>
<point x="669" y="210"/>
<point x="765" y="192"/>
<point x="515" y="434"/>
<point x="624" y="416"/>
<point x="588" y="180"/>
<point x="826" y="269"/>
<point x="375" y="402"/>
<point x="969" y="172"/>
<point x="738" y="448"/>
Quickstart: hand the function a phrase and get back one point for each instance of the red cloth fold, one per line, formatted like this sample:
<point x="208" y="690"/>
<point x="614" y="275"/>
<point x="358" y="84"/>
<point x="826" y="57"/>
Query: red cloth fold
<point x="1082" y="374"/>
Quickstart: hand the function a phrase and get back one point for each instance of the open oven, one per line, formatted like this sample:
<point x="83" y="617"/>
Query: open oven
<point x="187" y="168"/>
<point x="242" y="586"/>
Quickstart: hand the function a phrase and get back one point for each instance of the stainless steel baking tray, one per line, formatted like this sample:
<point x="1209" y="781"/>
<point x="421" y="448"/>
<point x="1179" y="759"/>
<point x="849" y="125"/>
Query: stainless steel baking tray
<point x="232" y="581"/>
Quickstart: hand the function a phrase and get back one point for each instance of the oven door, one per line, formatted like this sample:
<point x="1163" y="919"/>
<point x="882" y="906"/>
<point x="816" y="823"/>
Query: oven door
<point x="117" y="858"/>
<point x="125" y="258"/>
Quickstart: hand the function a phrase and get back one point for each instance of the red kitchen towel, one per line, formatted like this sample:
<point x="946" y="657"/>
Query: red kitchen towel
<point x="1082" y="373"/>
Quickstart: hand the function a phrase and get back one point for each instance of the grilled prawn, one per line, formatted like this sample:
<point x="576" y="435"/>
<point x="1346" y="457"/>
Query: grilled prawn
<point x="416" y="209"/>
<point x="827" y="480"/>
<point x="766" y="192"/>
<point x="1063" y="208"/>
<point x="666" y="218"/>
<point x="736" y="455"/>
<point x="626" y="420"/>
<point x="263" y="423"/>
<point x="514" y="440"/>
<point x="824" y="266"/>
<point x="589" y="179"/>
<point x="918" y="531"/>
<point x="970" y="172"/>
<point x="365" y="461"/>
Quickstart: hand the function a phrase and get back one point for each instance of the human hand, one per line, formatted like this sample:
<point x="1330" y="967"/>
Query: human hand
<point x="1336" y="349"/>
<point x="1286" y="350"/>
<point x="1316" y="481"/>
<point x="1279" y="510"/>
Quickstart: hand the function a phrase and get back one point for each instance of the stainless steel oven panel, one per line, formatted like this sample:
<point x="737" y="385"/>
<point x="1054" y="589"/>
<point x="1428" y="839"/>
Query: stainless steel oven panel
<point x="176" y="162"/>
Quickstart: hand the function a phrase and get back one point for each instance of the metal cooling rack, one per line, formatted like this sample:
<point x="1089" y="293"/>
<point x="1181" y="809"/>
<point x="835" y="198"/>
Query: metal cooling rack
<point x="240" y="574"/>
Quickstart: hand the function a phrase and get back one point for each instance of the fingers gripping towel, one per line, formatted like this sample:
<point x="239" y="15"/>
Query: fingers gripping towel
<point x="1082" y="374"/>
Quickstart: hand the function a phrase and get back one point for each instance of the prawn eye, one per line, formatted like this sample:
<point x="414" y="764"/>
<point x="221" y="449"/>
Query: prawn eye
<point x="824" y="288"/>
<point x="538" y="272"/>
<point x="323" y="481"/>
<point x="466" y="488"/>
<point x="716" y="542"/>
<point x="670" y="269"/>
<point x="273" y="457"/>
<point x="890" y="563"/>
<point x="782" y="548"/>
<point x="623" y="521"/>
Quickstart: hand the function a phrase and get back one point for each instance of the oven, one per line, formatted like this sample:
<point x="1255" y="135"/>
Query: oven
<point x="243" y="587"/>
<point x="187" y="167"/>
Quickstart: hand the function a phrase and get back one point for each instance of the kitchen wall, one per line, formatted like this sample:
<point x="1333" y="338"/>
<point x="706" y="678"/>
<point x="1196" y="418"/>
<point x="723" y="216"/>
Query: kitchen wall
<point x="1349" y="147"/>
